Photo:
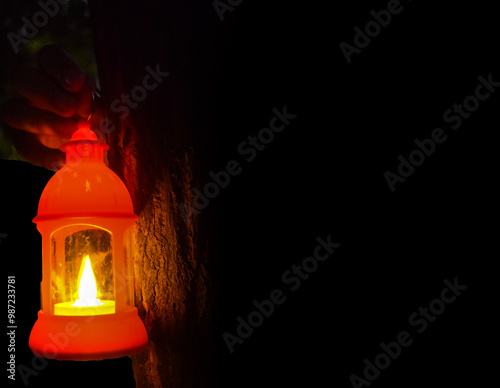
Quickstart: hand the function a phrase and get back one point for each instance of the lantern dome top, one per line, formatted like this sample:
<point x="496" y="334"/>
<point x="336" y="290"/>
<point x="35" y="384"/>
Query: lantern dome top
<point x="85" y="187"/>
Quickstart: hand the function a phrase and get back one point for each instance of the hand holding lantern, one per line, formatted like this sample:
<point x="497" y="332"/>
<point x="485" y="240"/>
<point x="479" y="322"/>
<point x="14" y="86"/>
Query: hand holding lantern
<point x="49" y="96"/>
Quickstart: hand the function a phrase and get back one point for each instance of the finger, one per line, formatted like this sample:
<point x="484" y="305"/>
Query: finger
<point x="21" y="115"/>
<point x="29" y="147"/>
<point x="60" y="66"/>
<point x="43" y="92"/>
<point x="53" y="142"/>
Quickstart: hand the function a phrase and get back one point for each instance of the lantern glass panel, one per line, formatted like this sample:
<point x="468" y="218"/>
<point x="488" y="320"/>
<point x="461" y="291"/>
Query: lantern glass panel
<point x="82" y="279"/>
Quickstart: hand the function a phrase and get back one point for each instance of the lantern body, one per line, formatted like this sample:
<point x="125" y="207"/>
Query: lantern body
<point x="87" y="291"/>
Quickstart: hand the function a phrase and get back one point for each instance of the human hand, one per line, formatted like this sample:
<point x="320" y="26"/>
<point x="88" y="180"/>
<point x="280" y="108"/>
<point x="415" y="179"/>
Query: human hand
<point x="51" y="99"/>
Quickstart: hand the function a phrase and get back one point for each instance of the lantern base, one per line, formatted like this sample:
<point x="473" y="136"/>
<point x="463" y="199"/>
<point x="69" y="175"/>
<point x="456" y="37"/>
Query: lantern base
<point x="84" y="338"/>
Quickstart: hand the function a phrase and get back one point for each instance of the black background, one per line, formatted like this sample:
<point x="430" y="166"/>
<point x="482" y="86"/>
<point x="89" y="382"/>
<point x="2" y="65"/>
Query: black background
<point x="323" y="175"/>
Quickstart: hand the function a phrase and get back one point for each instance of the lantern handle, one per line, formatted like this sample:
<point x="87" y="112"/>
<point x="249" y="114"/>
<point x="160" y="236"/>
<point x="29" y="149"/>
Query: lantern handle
<point x="92" y="103"/>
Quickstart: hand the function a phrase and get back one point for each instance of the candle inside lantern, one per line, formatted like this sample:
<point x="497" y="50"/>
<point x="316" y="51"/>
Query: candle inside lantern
<point x="87" y="289"/>
<point x="87" y="302"/>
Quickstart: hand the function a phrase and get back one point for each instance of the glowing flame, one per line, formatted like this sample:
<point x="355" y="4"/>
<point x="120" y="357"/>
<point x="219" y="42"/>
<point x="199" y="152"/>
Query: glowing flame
<point x="87" y="289"/>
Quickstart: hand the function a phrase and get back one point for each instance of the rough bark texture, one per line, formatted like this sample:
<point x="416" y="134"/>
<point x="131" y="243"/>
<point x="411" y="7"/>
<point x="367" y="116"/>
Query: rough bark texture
<point x="157" y="150"/>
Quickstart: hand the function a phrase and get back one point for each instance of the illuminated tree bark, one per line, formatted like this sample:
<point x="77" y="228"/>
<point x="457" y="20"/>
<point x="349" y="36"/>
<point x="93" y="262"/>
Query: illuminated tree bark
<point x="156" y="122"/>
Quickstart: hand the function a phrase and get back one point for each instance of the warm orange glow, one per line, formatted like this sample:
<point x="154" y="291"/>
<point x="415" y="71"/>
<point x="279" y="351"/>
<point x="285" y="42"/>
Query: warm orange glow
<point x="87" y="289"/>
<point x="87" y="302"/>
<point x="84" y="195"/>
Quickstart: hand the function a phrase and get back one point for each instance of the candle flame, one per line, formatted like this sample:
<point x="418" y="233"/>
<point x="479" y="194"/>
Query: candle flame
<point x="87" y="289"/>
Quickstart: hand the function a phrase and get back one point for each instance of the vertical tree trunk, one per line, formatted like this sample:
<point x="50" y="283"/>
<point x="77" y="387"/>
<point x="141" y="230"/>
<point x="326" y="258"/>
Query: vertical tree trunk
<point x="156" y="148"/>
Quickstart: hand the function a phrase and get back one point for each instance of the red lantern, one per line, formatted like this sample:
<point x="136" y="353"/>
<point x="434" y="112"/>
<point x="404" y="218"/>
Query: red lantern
<point x="84" y="216"/>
